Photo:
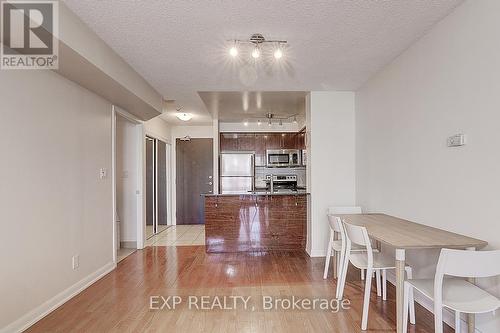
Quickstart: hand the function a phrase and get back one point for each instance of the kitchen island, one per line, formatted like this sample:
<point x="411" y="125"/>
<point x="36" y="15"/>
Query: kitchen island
<point x="255" y="221"/>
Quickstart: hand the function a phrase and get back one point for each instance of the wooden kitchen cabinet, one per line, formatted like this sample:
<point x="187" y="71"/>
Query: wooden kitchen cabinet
<point x="289" y="141"/>
<point x="246" y="142"/>
<point x="228" y="142"/>
<point x="273" y="141"/>
<point x="260" y="142"/>
<point x="301" y="140"/>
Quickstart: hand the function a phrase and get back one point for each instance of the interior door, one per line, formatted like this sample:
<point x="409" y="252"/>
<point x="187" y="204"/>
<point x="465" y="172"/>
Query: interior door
<point x="161" y="183"/>
<point x="194" y="173"/>
<point x="150" y="186"/>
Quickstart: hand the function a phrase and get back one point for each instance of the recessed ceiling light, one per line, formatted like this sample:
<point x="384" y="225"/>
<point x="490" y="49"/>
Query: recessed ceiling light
<point x="245" y="123"/>
<point x="258" y="122"/>
<point x="184" y="116"/>
<point x="278" y="53"/>
<point x="256" y="52"/>
<point x="233" y="51"/>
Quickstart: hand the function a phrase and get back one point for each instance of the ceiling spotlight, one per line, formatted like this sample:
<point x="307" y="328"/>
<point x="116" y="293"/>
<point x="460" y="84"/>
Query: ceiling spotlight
<point x="233" y="51"/>
<point x="184" y="116"/>
<point x="278" y="54"/>
<point x="245" y="123"/>
<point x="256" y="52"/>
<point x="258" y="122"/>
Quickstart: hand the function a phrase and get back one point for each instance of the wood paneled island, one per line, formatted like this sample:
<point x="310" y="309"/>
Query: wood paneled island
<point x="255" y="222"/>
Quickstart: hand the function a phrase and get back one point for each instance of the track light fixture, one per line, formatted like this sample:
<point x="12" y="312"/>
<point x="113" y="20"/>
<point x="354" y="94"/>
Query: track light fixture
<point x="272" y="118"/>
<point x="258" y="43"/>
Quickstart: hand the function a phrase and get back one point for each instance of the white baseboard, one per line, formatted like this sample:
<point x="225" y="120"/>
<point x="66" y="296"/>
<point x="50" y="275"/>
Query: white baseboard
<point x="44" y="309"/>
<point x="313" y="253"/>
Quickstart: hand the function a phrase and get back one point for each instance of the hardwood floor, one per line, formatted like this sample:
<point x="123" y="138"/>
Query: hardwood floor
<point x="120" y="301"/>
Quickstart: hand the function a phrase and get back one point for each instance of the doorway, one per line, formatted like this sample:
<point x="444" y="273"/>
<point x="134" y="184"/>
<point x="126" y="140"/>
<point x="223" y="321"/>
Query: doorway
<point x="194" y="169"/>
<point x="127" y="134"/>
<point x="156" y="186"/>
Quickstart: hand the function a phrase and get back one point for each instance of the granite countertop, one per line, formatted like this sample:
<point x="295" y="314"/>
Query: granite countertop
<point x="258" y="193"/>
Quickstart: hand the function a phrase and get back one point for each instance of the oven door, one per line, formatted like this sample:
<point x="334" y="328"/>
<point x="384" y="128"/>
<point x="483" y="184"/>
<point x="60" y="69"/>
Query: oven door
<point x="278" y="159"/>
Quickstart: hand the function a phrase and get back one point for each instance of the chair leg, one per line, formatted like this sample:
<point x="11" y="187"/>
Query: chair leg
<point x="335" y="266"/>
<point x="438" y="318"/>
<point x="406" y="304"/>
<point x="384" y="285"/>
<point x="366" y="300"/>
<point x="362" y="274"/>
<point x="345" y="267"/>
<point x="377" y="277"/>
<point x="457" y="321"/>
<point x="327" y="259"/>
<point x="409" y="274"/>
<point x="340" y="273"/>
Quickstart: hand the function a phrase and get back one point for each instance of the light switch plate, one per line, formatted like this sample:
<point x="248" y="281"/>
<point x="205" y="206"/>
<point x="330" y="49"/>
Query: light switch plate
<point x="456" y="140"/>
<point x="103" y="172"/>
<point x="75" y="262"/>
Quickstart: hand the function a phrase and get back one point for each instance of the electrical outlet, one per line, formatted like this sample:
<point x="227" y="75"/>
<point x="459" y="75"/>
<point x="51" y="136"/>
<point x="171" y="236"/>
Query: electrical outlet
<point x="76" y="261"/>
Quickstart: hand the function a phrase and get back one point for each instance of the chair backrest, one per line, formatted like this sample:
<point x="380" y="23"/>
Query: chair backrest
<point x="461" y="263"/>
<point x="335" y="222"/>
<point x="357" y="234"/>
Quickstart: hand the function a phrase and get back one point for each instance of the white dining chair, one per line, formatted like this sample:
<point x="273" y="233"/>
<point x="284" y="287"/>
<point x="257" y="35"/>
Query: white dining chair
<point x="371" y="262"/>
<point x="335" y="245"/>
<point x="455" y="293"/>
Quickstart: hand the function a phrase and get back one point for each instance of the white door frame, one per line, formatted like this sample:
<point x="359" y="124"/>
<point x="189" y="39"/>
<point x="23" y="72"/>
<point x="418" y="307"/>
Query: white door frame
<point x="140" y="176"/>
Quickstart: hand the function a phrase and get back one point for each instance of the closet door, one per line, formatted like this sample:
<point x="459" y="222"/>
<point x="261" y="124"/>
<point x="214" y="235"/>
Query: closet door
<point x="150" y="187"/>
<point x="161" y="183"/>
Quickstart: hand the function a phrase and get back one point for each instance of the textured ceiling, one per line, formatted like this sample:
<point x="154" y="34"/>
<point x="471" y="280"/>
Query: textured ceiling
<point x="180" y="46"/>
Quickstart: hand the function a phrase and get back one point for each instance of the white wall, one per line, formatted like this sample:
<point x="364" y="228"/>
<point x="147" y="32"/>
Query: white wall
<point x="127" y="177"/>
<point x="79" y="37"/>
<point x="446" y="83"/>
<point x="55" y="138"/>
<point x="159" y="128"/>
<point x="331" y="160"/>
<point x="180" y="132"/>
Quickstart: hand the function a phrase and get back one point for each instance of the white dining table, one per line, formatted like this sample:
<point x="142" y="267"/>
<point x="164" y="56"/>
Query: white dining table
<point x="403" y="235"/>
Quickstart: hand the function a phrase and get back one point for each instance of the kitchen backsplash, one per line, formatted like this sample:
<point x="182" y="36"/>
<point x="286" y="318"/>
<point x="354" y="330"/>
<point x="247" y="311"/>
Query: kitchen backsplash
<point x="261" y="172"/>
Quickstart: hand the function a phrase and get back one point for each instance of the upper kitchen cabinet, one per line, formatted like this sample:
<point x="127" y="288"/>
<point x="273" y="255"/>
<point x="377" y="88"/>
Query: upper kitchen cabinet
<point x="273" y="140"/>
<point x="289" y="141"/>
<point x="260" y="142"/>
<point x="301" y="140"/>
<point x="229" y="142"/>
<point x="237" y="142"/>
<point x="246" y="141"/>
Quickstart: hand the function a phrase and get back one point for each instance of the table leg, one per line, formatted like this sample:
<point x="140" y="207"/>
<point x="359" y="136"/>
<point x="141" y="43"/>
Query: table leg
<point x="400" y="279"/>
<point x="471" y="320"/>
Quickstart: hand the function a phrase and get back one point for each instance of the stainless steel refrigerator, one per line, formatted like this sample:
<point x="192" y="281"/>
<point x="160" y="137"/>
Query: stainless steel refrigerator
<point x="237" y="172"/>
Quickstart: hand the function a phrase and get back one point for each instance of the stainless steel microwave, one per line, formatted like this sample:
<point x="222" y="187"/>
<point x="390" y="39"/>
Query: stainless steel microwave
<point x="283" y="157"/>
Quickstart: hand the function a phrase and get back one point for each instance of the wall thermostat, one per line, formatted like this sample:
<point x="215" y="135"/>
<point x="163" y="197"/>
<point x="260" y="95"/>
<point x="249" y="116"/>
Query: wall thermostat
<point x="456" y="140"/>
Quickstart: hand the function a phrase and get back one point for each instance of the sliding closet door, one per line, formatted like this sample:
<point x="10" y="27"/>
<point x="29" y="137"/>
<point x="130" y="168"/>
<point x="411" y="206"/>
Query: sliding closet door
<point x="150" y="187"/>
<point x="161" y="173"/>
